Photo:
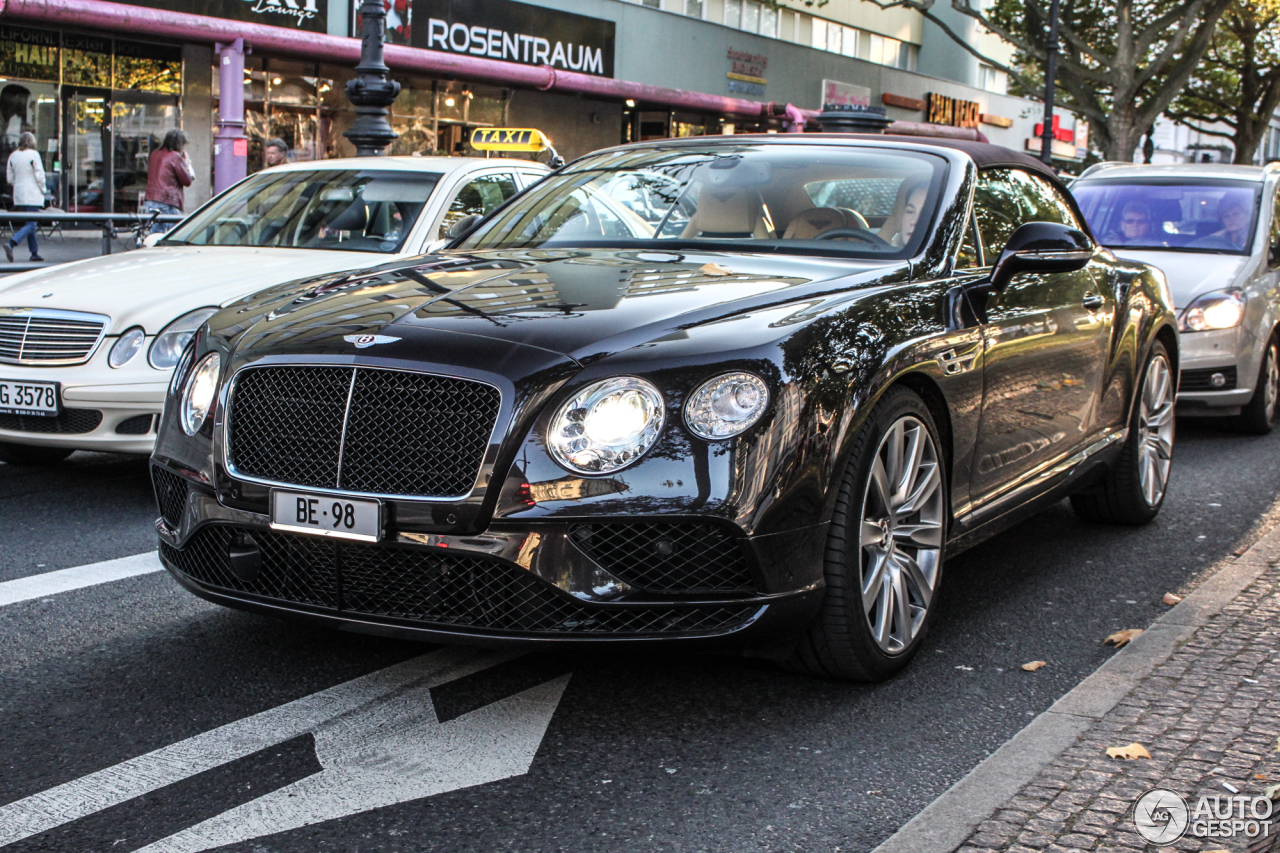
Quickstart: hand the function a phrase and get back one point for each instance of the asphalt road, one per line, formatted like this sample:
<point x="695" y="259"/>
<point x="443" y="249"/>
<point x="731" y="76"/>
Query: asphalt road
<point x="582" y="752"/>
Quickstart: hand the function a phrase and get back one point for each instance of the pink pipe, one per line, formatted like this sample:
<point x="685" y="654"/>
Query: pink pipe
<point x="99" y="14"/>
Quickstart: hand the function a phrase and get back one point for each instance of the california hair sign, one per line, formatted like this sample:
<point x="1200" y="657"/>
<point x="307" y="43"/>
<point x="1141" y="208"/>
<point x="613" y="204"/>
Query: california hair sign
<point x="515" y="32"/>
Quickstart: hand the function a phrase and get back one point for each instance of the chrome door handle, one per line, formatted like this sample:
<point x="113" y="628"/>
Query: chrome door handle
<point x="1093" y="301"/>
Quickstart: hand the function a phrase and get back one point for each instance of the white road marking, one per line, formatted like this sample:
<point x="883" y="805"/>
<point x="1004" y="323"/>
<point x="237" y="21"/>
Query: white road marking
<point x="65" y="580"/>
<point x="389" y="753"/>
<point x="366" y="756"/>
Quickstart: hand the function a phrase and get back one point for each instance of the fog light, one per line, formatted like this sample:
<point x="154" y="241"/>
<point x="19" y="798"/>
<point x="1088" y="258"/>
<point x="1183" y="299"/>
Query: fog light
<point x="1217" y="380"/>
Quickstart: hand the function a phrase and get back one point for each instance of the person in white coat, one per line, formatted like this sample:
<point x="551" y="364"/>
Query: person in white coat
<point x="27" y="179"/>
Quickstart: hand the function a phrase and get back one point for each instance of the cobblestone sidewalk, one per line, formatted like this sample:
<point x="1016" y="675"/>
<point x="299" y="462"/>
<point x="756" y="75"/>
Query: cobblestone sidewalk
<point x="1209" y="715"/>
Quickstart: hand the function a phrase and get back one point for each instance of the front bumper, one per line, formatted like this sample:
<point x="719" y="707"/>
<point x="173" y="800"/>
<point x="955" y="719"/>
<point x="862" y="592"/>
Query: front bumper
<point x="1233" y="353"/>
<point x="530" y="583"/>
<point x="104" y="408"/>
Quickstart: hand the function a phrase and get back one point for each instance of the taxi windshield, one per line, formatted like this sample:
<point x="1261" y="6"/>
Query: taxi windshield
<point x="811" y="199"/>
<point x="351" y="210"/>
<point x="1187" y="215"/>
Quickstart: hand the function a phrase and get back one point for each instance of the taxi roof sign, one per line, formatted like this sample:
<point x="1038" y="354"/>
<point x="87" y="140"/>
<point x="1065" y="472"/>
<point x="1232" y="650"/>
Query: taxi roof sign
<point x="509" y="139"/>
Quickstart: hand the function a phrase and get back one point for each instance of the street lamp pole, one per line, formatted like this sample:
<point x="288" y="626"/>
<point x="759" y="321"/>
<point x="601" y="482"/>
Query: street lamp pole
<point x="372" y="90"/>
<point x="1050" y="72"/>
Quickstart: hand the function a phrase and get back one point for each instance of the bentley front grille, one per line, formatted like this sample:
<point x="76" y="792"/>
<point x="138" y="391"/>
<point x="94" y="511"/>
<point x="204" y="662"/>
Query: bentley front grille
<point x="360" y="429"/>
<point x="432" y="587"/>
<point x="48" y="337"/>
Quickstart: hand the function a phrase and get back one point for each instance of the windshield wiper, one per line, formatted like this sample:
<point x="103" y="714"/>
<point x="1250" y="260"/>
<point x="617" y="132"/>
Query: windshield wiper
<point x="170" y="242"/>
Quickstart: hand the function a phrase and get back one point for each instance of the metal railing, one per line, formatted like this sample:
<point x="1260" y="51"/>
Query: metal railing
<point x="138" y="223"/>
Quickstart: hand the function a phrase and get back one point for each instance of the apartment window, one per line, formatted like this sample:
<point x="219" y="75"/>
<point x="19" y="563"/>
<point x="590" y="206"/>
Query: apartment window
<point x="819" y="34"/>
<point x="835" y="37"/>
<point x="693" y="8"/>
<point x="872" y="49"/>
<point x="907" y="56"/>
<point x="849" y="39"/>
<point x="993" y="80"/>
<point x="751" y="16"/>
<point x="733" y="14"/>
<point x="769" y="22"/>
<point x="652" y="4"/>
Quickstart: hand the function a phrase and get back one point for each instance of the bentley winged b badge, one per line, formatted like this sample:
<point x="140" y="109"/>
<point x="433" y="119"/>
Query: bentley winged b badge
<point x="362" y="341"/>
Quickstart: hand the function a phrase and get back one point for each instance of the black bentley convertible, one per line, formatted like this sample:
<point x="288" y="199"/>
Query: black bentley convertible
<point x="744" y="391"/>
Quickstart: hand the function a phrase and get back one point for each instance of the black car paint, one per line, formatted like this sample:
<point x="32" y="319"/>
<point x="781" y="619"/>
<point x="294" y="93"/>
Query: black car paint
<point x="829" y="335"/>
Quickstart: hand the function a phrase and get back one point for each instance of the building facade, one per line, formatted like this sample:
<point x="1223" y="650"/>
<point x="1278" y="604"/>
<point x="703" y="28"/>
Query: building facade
<point x="100" y="83"/>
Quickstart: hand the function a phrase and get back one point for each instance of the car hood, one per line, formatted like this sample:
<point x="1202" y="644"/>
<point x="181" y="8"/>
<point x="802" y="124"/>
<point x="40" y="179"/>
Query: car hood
<point x="1190" y="274"/>
<point x="578" y="303"/>
<point x="152" y="287"/>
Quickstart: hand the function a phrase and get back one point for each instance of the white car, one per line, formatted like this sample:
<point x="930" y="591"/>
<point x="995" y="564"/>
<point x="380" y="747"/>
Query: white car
<point x="87" y="348"/>
<point x="1215" y="232"/>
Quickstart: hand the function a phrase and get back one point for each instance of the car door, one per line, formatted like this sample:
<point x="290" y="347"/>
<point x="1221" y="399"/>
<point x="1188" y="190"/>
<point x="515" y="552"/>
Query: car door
<point x="1046" y="339"/>
<point x="478" y="194"/>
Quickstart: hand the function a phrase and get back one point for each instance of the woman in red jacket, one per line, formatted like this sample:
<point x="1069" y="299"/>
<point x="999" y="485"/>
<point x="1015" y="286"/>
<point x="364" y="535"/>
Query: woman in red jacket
<point x="168" y="172"/>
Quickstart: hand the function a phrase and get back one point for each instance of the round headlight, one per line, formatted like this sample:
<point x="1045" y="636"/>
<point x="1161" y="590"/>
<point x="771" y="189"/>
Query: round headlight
<point x="126" y="347"/>
<point x="173" y="338"/>
<point x="1214" y="311"/>
<point x="726" y="406"/>
<point x="606" y="426"/>
<point x="202" y="387"/>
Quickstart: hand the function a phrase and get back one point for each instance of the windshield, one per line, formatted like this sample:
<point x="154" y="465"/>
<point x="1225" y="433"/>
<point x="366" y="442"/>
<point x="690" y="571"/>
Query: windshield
<point x="344" y="209"/>
<point x="1180" y="214"/>
<point x="773" y="197"/>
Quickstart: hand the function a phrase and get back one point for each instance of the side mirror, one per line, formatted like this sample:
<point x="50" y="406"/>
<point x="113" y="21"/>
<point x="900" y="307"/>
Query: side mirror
<point x="1041" y="247"/>
<point x="463" y="226"/>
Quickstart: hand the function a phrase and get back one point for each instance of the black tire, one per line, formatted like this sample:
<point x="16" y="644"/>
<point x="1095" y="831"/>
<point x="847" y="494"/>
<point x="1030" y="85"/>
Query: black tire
<point x="31" y="454"/>
<point x="839" y="643"/>
<point x="1120" y="498"/>
<point x="1259" y="416"/>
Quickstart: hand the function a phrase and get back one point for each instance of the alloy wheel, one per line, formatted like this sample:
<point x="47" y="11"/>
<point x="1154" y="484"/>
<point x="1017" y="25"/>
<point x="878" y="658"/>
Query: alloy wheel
<point x="901" y="538"/>
<point x="1155" y="427"/>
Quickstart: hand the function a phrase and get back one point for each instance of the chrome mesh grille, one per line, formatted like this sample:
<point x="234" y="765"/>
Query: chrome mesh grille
<point x="365" y="430"/>
<point x="466" y="591"/>
<point x="35" y="336"/>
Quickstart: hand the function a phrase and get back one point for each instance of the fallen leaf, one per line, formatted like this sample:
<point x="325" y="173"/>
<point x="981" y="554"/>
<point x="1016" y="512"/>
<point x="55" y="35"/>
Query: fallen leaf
<point x="1171" y="599"/>
<point x="1122" y="638"/>
<point x="715" y="269"/>
<point x="1034" y="665"/>
<point x="1272" y="792"/>
<point x="1259" y="775"/>
<point x="1133" y="750"/>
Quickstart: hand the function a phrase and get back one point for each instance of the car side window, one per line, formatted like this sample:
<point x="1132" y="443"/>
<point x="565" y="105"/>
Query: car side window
<point x="479" y="195"/>
<point x="1274" y="257"/>
<point x="969" y="257"/>
<point x="1007" y="198"/>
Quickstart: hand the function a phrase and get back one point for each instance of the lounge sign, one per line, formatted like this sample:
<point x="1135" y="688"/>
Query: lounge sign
<point x="515" y="32"/>
<point x="297" y="14"/>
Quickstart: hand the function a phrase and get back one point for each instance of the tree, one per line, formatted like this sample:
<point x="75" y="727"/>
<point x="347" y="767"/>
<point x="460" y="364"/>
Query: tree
<point x="1238" y="81"/>
<point x="1122" y="62"/>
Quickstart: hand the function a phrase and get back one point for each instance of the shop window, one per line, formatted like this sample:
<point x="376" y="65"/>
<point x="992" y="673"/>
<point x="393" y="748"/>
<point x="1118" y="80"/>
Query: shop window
<point x="150" y="67"/>
<point x="480" y="195"/>
<point x="86" y="60"/>
<point x="29" y="54"/>
<point x="33" y="107"/>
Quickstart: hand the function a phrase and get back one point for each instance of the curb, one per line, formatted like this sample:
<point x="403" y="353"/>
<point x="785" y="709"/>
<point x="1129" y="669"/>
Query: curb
<point x="949" y="820"/>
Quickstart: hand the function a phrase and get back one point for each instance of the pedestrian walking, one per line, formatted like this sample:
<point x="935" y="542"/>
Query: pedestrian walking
<point x="169" y="171"/>
<point x="275" y="153"/>
<point x="26" y="177"/>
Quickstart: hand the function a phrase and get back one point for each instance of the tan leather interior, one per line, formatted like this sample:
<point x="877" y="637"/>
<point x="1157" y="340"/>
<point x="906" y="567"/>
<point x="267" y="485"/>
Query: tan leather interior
<point x="810" y="223"/>
<point x="730" y="213"/>
<point x="893" y="224"/>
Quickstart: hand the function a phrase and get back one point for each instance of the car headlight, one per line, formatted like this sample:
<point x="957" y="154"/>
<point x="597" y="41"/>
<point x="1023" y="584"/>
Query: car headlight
<point x="202" y="387"/>
<point x="126" y="347"/>
<point x="607" y="425"/>
<point x="1221" y="310"/>
<point x="726" y="406"/>
<point x="172" y="340"/>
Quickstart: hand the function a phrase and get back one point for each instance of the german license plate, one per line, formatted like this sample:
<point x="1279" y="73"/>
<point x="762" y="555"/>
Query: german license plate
<point x="326" y="515"/>
<point x="19" y="397"/>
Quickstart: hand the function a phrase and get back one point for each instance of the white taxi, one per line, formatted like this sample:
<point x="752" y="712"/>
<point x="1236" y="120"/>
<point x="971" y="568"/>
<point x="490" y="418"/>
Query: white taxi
<point x="87" y="348"/>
